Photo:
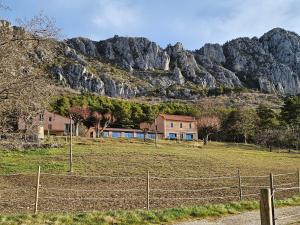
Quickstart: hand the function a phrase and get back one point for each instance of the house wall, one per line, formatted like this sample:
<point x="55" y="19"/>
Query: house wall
<point x="181" y="132"/>
<point x="92" y="133"/>
<point x="52" y="123"/>
<point x="164" y="127"/>
<point x="160" y="121"/>
<point x="56" y="122"/>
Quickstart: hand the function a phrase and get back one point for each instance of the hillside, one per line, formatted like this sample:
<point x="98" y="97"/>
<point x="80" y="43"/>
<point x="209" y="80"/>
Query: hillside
<point x="130" y="67"/>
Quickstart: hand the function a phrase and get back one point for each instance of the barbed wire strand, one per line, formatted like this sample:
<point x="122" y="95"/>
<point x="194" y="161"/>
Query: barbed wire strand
<point x="193" y="178"/>
<point x="87" y="199"/>
<point x="224" y="197"/>
<point x="191" y="190"/>
<point x="284" y="174"/>
<point x="91" y="190"/>
<point x="98" y="176"/>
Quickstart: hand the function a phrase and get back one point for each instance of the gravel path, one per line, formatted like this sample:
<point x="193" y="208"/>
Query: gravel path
<point x="251" y="218"/>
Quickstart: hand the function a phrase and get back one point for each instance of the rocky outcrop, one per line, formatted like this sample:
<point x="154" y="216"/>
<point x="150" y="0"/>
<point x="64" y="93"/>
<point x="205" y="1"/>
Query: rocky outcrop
<point x="128" y="53"/>
<point x="259" y="65"/>
<point x="76" y="76"/>
<point x="135" y="66"/>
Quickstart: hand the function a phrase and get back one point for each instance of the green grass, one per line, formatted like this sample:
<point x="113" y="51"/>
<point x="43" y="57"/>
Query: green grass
<point x="139" y="217"/>
<point x="133" y="157"/>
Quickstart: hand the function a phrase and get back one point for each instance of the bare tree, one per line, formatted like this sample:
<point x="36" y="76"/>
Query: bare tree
<point x="108" y="118"/>
<point x="208" y="125"/>
<point x="145" y="127"/>
<point x="25" y="89"/>
<point x="97" y="116"/>
<point x="78" y="114"/>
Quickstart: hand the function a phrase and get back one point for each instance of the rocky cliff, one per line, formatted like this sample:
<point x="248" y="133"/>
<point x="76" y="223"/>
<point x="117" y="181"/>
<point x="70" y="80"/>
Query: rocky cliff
<point x="131" y="67"/>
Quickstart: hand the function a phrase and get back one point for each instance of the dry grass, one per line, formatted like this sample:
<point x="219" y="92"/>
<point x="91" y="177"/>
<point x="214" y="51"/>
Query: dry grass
<point x="133" y="157"/>
<point x="120" y="157"/>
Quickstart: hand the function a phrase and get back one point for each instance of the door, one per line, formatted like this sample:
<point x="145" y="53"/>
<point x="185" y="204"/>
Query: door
<point x="189" y="137"/>
<point x="172" y="135"/>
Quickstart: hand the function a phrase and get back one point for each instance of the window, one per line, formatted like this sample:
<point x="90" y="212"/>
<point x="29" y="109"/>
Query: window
<point x="190" y="125"/>
<point x="41" y="117"/>
<point x="67" y="128"/>
<point x="128" y="134"/>
<point x="50" y="119"/>
<point x="116" y="134"/>
<point x="180" y="125"/>
<point x="172" y="135"/>
<point x="172" y="125"/>
<point x="189" y="137"/>
<point x="151" y="136"/>
<point x="140" y="135"/>
<point x="105" y="134"/>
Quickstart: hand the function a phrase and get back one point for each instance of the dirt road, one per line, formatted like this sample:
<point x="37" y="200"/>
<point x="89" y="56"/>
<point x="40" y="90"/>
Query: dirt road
<point x="252" y="218"/>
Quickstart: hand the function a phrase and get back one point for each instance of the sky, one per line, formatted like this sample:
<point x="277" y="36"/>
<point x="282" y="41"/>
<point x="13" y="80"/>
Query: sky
<point x="191" y="22"/>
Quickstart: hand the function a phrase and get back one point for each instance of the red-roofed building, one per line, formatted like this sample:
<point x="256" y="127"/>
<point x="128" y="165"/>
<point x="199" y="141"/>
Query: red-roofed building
<point x="49" y="123"/>
<point x="176" y="127"/>
<point x="123" y="133"/>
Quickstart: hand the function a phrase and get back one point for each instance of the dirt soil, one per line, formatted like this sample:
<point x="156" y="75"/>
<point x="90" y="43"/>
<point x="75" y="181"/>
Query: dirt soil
<point x="81" y="193"/>
<point x="252" y="218"/>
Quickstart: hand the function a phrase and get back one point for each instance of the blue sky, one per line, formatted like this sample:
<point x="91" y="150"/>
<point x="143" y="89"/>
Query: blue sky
<point x="192" y="22"/>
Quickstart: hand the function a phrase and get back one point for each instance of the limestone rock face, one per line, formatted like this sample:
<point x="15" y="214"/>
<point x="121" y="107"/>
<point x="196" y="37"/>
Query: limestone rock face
<point x="213" y="52"/>
<point x="78" y="78"/>
<point x="84" y="46"/>
<point x="135" y="66"/>
<point x="128" y="53"/>
<point x="268" y="64"/>
<point x="178" y="77"/>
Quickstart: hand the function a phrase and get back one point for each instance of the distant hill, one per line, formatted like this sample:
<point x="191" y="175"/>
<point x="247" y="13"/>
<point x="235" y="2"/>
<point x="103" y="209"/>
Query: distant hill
<point x="130" y="67"/>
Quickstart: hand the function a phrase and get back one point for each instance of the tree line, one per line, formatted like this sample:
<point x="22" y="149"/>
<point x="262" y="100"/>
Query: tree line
<point x="101" y="111"/>
<point x="261" y="125"/>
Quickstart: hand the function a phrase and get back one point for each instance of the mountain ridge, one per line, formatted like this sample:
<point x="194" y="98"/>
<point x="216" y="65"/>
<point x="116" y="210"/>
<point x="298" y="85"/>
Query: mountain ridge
<point x="135" y="66"/>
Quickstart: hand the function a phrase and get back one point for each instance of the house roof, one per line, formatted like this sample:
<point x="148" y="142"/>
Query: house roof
<point x="178" y="118"/>
<point x="124" y="130"/>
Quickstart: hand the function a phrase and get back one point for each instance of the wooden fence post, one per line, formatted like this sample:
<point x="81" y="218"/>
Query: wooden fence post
<point x="266" y="215"/>
<point x="148" y="190"/>
<point x="240" y="186"/>
<point x="71" y="147"/>
<point x="298" y="179"/>
<point x="272" y="197"/>
<point x="37" y="190"/>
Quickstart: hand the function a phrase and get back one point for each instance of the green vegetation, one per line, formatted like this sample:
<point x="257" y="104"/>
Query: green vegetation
<point x="139" y="217"/>
<point x="128" y="114"/>
<point x="134" y="157"/>
<point x="262" y="126"/>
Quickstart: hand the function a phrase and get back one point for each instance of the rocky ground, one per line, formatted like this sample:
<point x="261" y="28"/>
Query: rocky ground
<point x="251" y="218"/>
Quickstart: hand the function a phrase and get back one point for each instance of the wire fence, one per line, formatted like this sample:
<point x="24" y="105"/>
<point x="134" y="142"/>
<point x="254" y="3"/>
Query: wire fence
<point x="294" y="186"/>
<point x="279" y="188"/>
<point x="46" y="192"/>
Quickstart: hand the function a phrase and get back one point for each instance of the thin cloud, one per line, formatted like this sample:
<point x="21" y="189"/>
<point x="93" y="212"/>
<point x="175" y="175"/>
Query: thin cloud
<point x="116" y="15"/>
<point x="191" y="22"/>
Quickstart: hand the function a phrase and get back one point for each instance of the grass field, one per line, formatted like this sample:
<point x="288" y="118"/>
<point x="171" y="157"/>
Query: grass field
<point x="121" y="157"/>
<point x="133" y="157"/>
<point x="138" y="217"/>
